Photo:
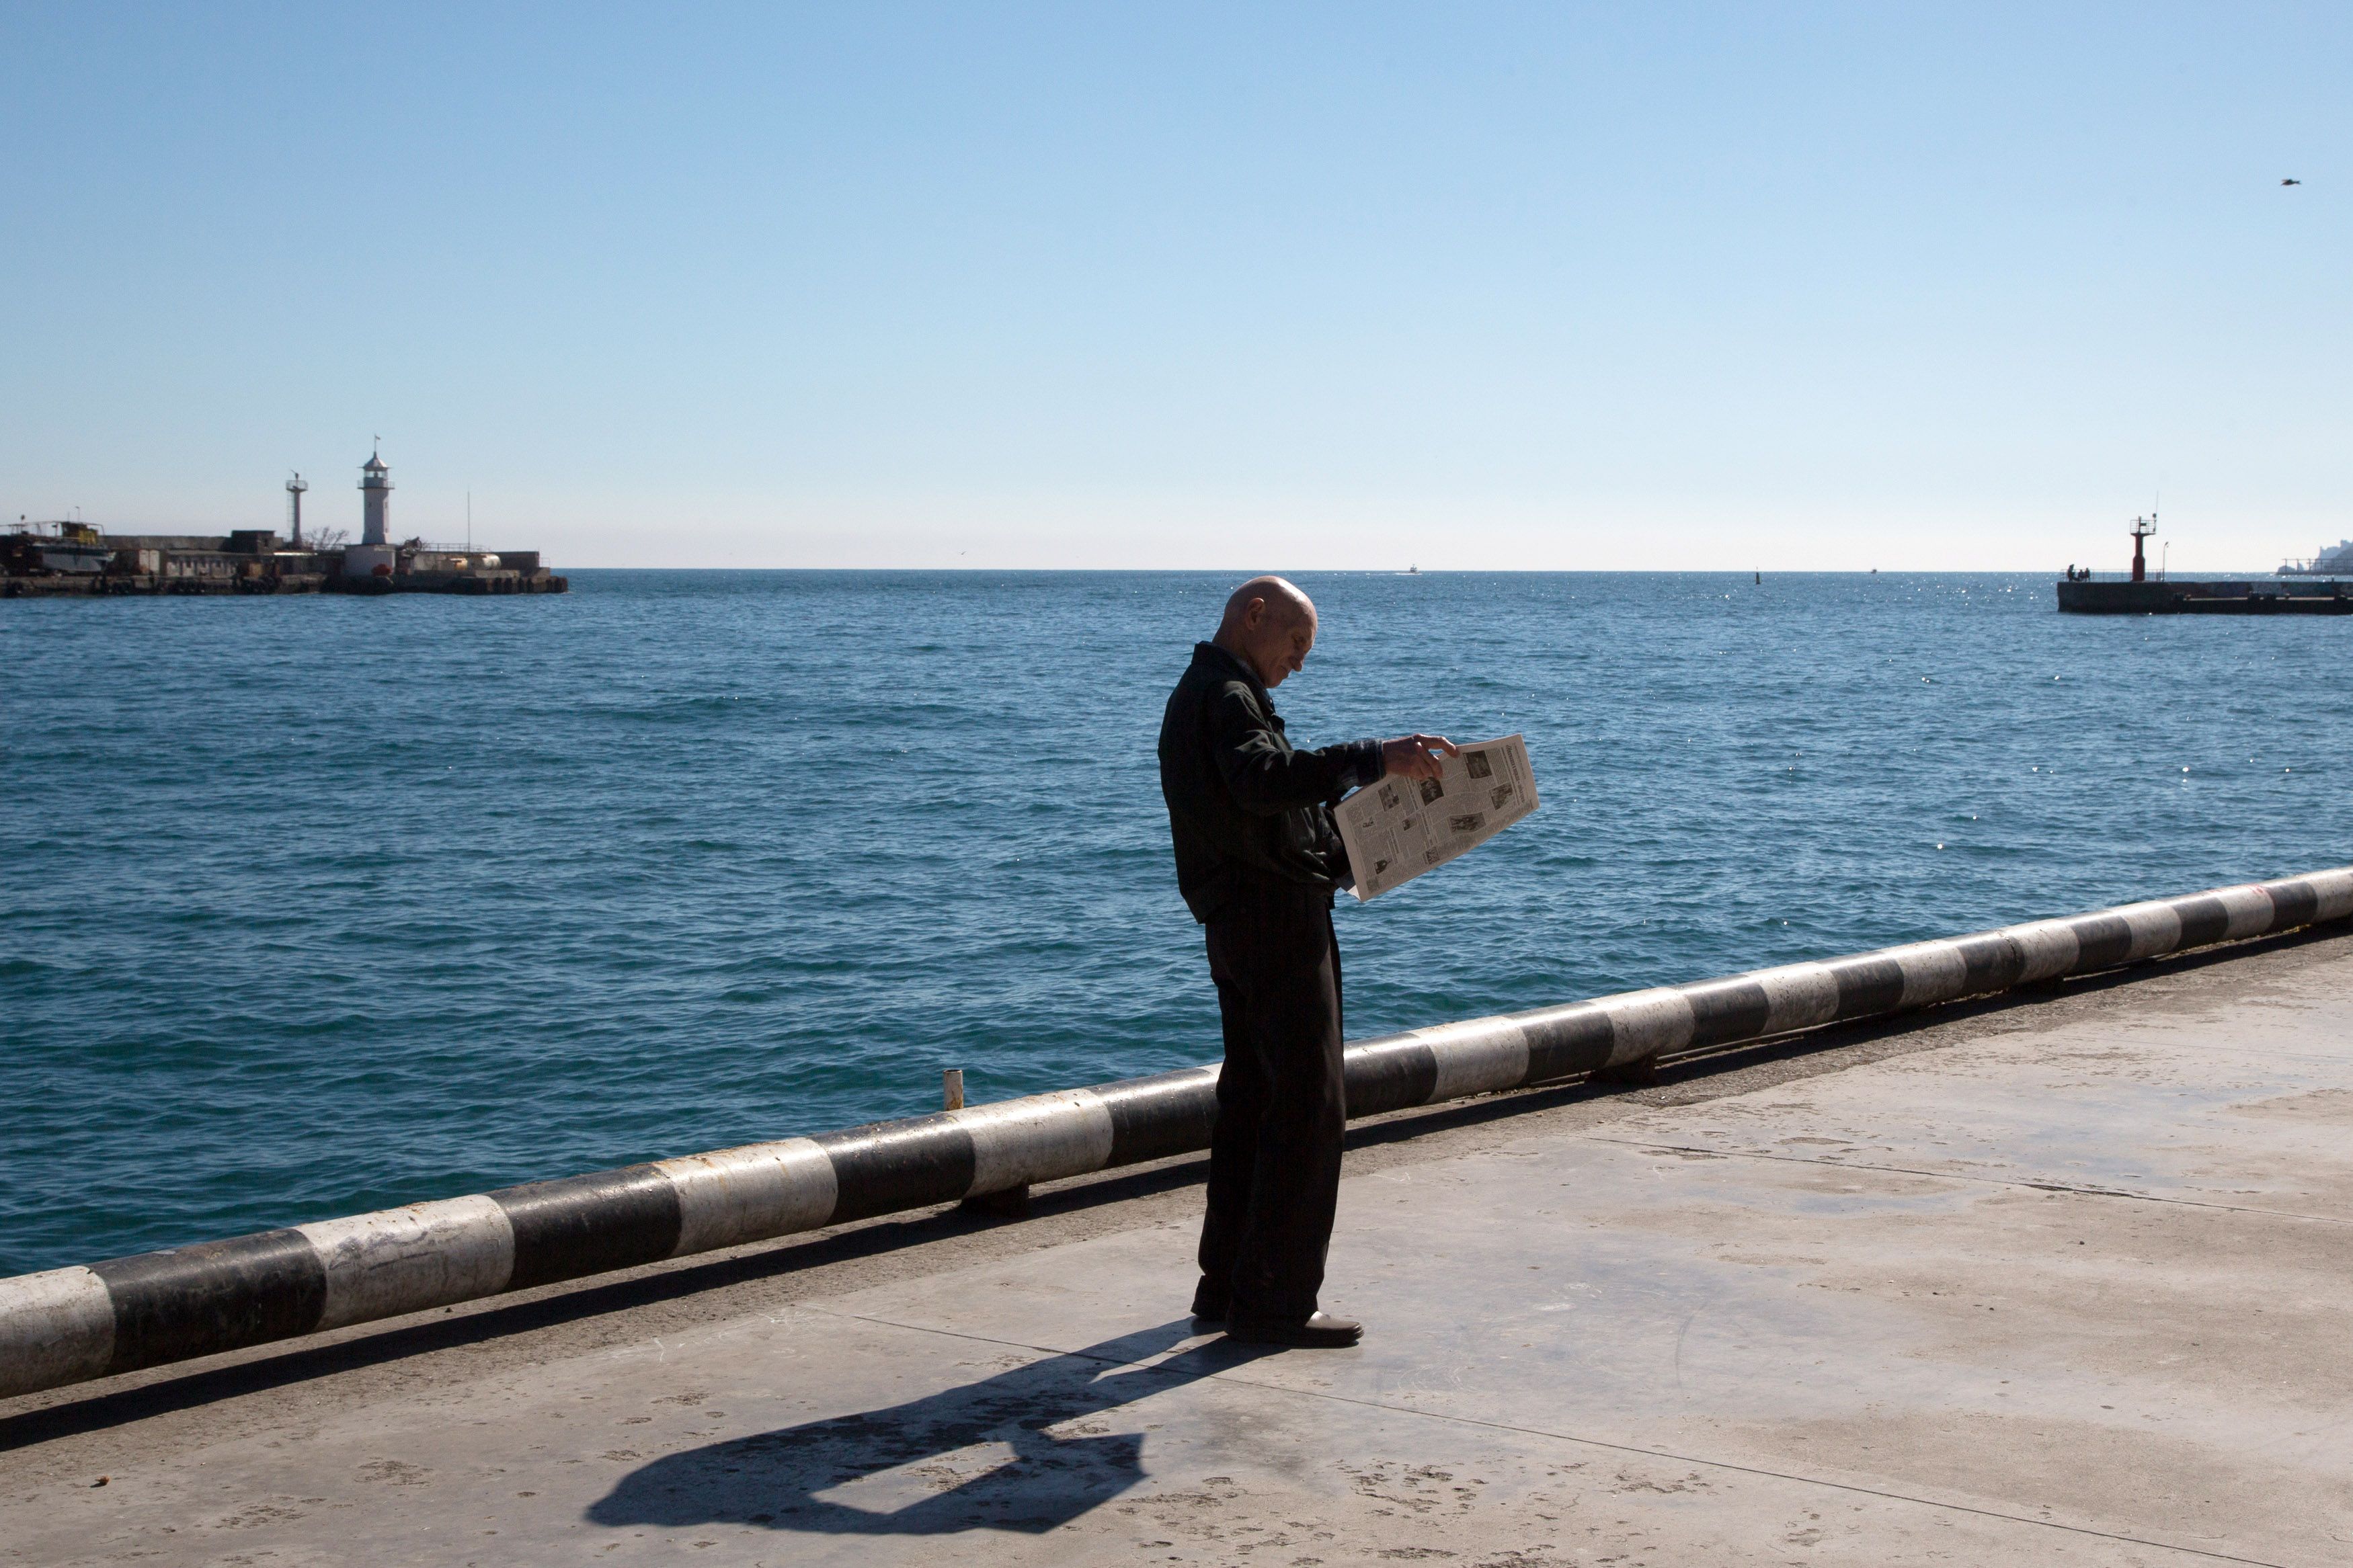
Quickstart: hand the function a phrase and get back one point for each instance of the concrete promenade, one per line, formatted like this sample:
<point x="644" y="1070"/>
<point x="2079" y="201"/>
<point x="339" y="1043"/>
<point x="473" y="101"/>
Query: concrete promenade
<point x="2065" y="1281"/>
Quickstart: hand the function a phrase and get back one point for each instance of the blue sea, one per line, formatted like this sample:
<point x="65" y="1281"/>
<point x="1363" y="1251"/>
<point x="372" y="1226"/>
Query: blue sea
<point x="317" y="905"/>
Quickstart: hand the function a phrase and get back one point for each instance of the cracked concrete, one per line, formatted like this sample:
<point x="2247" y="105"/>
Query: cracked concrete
<point x="2060" y="1282"/>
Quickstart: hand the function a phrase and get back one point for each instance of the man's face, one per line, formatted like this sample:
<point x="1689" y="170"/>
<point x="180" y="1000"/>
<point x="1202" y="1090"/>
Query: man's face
<point x="1279" y="642"/>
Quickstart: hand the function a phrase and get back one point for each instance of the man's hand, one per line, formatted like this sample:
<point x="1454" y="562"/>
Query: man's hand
<point x="1415" y="756"/>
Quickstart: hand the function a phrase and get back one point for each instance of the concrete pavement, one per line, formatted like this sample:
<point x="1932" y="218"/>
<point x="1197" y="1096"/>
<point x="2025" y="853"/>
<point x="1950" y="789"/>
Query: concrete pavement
<point x="2064" y="1282"/>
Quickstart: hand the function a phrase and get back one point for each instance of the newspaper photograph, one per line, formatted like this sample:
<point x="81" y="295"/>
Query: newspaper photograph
<point x="1400" y="828"/>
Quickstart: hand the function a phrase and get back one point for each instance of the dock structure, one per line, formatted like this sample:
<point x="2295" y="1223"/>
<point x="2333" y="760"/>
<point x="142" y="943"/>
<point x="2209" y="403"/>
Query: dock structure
<point x="2081" y="593"/>
<point x="250" y="561"/>
<point x="74" y="560"/>
<point x="2056" y="1276"/>
<point x="2237" y="596"/>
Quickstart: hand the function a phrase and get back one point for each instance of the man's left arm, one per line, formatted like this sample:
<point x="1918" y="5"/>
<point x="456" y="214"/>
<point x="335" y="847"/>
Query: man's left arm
<point x="1354" y="765"/>
<point x="1264" y="775"/>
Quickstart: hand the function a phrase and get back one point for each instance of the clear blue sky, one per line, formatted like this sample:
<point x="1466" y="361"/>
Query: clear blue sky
<point x="1470" y="285"/>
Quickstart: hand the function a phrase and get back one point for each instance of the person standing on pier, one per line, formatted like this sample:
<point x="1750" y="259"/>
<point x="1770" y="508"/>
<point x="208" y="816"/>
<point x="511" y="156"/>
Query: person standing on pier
<point x="1258" y="860"/>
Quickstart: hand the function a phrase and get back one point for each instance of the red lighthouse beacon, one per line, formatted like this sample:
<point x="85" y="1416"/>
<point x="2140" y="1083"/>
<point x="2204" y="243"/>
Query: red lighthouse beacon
<point x="2141" y="529"/>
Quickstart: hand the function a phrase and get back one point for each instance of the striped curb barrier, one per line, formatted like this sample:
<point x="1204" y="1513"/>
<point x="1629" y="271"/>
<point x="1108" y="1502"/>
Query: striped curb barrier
<point x="68" y="1325"/>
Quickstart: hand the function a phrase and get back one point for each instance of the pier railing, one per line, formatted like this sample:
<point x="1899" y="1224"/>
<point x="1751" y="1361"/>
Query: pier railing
<point x="68" y="1325"/>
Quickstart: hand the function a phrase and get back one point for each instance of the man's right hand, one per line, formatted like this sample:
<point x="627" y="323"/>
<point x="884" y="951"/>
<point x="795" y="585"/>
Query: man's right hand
<point x="1415" y="756"/>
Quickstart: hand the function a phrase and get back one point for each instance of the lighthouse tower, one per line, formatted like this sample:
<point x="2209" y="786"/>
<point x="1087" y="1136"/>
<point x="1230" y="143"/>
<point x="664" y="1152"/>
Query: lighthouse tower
<point x="375" y="498"/>
<point x="373" y="556"/>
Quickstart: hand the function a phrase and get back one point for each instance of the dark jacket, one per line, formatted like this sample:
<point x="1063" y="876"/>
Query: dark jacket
<point x="1244" y="808"/>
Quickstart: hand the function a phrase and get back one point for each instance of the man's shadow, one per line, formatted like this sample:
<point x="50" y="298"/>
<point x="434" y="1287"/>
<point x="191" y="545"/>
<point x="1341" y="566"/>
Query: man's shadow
<point x="773" y="1478"/>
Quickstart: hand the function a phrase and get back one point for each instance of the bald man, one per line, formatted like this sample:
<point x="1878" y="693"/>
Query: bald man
<point x="1258" y="860"/>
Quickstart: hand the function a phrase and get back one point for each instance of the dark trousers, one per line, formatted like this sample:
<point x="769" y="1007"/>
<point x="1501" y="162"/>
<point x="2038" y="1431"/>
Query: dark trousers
<point x="1274" y="1159"/>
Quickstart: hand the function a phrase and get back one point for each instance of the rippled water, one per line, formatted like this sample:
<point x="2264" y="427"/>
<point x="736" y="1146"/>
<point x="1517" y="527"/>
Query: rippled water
<point x="317" y="905"/>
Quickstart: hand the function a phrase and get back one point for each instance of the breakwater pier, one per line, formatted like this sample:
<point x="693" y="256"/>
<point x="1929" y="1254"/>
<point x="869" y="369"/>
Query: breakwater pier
<point x="74" y="560"/>
<point x="2241" y="596"/>
<point x="105" y="566"/>
<point x="2292" y="591"/>
<point x="2049" y="1276"/>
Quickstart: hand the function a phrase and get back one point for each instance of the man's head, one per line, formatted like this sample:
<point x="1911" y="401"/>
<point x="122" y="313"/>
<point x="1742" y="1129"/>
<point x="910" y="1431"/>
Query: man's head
<point x="1270" y="626"/>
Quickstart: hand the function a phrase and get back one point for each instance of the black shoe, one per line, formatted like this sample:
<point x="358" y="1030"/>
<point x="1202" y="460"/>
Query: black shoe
<point x="1319" y="1330"/>
<point x="1208" y="1307"/>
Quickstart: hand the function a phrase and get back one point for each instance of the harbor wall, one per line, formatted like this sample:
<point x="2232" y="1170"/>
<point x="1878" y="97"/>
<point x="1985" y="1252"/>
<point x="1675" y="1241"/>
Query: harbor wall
<point x="2182" y="596"/>
<point x="68" y="1325"/>
<point x="86" y="564"/>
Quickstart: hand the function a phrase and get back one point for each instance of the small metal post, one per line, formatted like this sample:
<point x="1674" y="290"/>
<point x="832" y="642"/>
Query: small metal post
<point x="951" y="1088"/>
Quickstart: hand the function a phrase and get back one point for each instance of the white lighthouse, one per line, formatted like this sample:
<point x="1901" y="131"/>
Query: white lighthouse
<point x="374" y="555"/>
<point x="375" y="498"/>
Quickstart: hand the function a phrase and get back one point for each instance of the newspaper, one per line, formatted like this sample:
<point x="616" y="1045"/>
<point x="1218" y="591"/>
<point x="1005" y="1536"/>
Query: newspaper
<point x="1400" y="828"/>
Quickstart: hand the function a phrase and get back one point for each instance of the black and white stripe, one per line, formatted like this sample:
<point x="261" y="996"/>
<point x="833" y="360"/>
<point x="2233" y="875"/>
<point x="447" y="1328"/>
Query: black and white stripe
<point x="70" y="1324"/>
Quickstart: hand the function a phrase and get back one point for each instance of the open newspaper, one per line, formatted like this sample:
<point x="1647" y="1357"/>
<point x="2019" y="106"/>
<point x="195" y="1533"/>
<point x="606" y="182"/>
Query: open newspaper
<point x="1400" y="828"/>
